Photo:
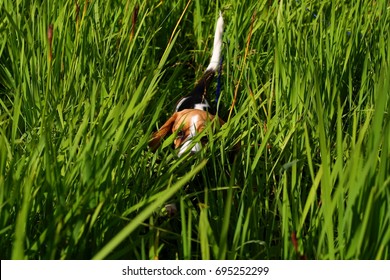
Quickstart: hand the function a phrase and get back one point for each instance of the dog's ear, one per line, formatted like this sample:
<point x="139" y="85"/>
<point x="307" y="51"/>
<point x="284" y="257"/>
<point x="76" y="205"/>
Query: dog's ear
<point x="155" y="142"/>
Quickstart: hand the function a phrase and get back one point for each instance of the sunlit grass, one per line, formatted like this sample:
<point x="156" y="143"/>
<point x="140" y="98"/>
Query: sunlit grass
<point x="310" y="88"/>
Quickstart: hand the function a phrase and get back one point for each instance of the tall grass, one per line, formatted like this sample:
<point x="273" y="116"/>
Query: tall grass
<point x="305" y="92"/>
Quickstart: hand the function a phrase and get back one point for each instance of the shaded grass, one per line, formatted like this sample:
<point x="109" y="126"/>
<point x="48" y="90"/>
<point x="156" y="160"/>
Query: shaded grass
<point x="310" y="84"/>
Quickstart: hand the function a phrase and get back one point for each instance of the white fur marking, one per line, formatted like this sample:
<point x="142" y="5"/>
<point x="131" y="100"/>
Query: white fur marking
<point x="199" y="106"/>
<point x="197" y="147"/>
<point x="202" y="106"/>
<point x="215" y="58"/>
<point x="180" y="102"/>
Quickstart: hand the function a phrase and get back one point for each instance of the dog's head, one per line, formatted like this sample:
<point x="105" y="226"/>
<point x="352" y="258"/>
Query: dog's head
<point x="186" y="124"/>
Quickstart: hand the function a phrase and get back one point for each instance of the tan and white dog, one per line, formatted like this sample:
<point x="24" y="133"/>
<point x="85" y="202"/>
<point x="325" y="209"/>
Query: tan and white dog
<point x="193" y="112"/>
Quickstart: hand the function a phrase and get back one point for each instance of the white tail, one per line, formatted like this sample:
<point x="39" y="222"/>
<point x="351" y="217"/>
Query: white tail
<point x="215" y="58"/>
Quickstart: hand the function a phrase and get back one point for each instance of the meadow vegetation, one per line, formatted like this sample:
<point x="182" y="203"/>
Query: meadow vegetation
<point x="305" y="93"/>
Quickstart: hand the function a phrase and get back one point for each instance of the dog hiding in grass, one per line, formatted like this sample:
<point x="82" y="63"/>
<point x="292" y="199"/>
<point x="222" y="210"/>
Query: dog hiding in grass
<point x="193" y="114"/>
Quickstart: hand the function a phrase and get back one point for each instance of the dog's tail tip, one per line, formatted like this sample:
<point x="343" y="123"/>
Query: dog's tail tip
<point x="220" y="19"/>
<point x="220" y="24"/>
<point x="215" y="59"/>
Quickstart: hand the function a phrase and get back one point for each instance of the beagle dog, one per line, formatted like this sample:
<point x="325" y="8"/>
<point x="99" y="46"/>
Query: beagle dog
<point x="193" y="112"/>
